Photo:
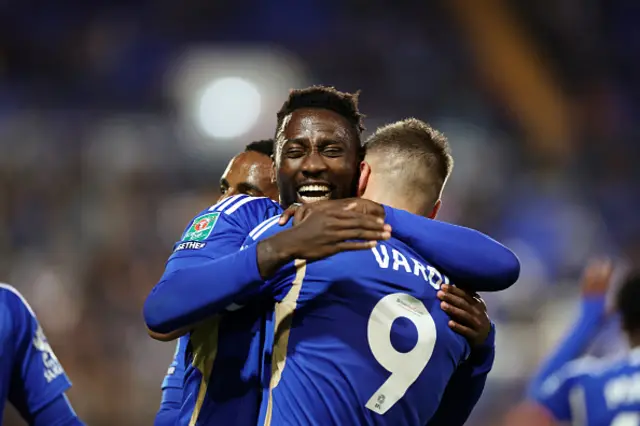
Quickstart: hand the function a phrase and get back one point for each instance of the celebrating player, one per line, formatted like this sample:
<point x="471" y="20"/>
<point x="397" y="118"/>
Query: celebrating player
<point x="247" y="173"/>
<point x="32" y="379"/>
<point x="250" y="173"/>
<point x="590" y="391"/>
<point x="326" y="125"/>
<point x="335" y="356"/>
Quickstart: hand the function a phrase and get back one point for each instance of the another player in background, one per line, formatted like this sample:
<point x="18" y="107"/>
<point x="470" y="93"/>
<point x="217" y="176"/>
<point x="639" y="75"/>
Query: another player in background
<point x="249" y="172"/>
<point x="589" y="391"/>
<point x="329" y="147"/>
<point x="31" y="378"/>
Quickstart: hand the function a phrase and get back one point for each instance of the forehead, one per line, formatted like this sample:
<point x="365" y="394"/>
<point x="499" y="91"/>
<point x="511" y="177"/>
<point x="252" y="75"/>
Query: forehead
<point x="316" y="124"/>
<point x="246" y="165"/>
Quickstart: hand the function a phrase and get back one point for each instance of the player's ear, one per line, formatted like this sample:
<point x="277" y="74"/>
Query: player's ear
<point x="436" y="209"/>
<point x="365" y="173"/>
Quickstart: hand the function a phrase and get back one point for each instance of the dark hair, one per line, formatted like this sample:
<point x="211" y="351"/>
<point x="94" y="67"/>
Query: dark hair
<point x="343" y="103"/>
<point x="628" y="302"/>
<point x="264" y="146"/>
<point x="414" y="141"/>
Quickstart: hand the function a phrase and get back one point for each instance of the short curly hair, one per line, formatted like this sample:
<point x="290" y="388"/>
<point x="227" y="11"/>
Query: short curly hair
<point x="264" y="146"/>
<point x="323" y="97"/>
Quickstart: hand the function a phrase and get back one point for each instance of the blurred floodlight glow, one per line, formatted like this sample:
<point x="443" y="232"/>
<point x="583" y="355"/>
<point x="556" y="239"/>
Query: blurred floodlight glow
<point x="229" y="107"/>
<point x="225" y="96"/>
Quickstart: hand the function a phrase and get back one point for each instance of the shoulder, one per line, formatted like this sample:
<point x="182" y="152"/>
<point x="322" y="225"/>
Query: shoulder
<point x="245" y="204"/>
<point x="267" y="228"/>
<point x="14" y="300"/>
<point x="237" y="210"/>
<point x="574" y="372"/>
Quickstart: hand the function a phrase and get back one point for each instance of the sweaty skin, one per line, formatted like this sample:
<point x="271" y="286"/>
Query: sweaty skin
<point x="320" y="147"/>
<point x="248" y="173"/>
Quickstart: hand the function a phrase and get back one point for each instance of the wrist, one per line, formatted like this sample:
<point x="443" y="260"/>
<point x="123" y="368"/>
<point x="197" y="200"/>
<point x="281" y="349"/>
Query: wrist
<point x="272" y="253"/>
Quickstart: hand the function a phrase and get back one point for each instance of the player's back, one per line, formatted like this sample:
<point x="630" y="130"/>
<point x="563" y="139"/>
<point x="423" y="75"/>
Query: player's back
<point x="359" y="339"/>
<point x="598" y="392"/>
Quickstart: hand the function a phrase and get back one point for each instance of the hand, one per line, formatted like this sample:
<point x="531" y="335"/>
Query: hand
<point x="468" y="313"/>
<point x="321" y="234"/>
<point x="299" y="212"/>
<point x="597" y="278"/>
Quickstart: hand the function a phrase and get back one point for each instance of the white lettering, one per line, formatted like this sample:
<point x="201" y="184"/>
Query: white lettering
<point x="383" y="261"/>
<point x="419" y="269"/>
<point x="189" y="245"/>
<point x="622" y="390"/>
<point x="400" y="260"/>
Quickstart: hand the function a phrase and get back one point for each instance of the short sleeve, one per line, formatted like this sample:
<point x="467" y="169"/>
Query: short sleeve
<point x="37" y="377"/>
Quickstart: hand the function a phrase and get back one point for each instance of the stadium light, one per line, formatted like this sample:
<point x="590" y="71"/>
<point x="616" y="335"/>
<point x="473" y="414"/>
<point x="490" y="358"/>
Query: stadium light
<point x="229" y="107"/>
<point x="227" y="96"/>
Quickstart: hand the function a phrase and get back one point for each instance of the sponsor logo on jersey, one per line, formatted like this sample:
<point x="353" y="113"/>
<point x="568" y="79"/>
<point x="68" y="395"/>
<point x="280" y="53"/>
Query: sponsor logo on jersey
<point x="190" y="245"/>
<point x="201" y="227"/>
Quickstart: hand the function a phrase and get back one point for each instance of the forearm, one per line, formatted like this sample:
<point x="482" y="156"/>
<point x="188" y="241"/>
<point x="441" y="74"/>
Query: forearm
<point x="575" y="342"/>
<point x="188" y="295"/>
<point x="466" y="385"/>
<point x="463" y="254"/>
<point x="273" y="253"/>
<point x="57" y="413"/>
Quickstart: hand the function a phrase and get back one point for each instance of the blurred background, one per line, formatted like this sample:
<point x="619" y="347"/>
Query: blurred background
<point x="117" y="118"/>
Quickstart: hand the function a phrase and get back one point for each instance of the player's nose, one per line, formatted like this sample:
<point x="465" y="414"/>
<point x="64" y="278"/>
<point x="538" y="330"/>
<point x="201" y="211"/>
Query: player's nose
<point x="313" y="164"/>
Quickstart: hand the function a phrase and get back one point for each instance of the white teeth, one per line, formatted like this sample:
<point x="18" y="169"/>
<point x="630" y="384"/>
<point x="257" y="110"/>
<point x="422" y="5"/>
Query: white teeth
<point x="314" y="188"/>
<point x="308" y="200"/>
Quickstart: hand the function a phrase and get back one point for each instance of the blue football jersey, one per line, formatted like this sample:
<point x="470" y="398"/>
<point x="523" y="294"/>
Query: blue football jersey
<point x="221" y="355"/>
<point x="595" y="392"/>
<point x="357" y="339"/>
<point x="30" y="375"/>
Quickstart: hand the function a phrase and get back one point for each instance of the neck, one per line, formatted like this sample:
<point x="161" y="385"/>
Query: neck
<point x="382" y="196"/>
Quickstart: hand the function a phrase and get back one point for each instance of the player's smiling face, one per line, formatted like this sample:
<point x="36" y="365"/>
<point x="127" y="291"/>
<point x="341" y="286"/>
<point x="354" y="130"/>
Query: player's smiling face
<point x="319" y="159"/>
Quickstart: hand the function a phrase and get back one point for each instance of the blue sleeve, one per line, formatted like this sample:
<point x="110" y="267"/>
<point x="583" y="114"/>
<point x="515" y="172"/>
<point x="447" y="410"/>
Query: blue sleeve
<point x="37" y="377"/>
<point x="466" y="386"/>
<point x="175" y="373"/>
<point x="57" y="413"/>
<point x="465" y="255"/>
<point x="169" y="407"/>
<point x="555" y="391"/>
<point x="572" y="346"/>
<point x="187" y="292"/>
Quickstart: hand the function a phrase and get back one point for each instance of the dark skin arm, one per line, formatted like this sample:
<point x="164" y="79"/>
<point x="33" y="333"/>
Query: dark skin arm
<point x="321" y="234"/>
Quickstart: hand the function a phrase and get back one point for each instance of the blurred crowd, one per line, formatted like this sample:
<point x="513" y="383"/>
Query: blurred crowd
<point x="97" y="179"/>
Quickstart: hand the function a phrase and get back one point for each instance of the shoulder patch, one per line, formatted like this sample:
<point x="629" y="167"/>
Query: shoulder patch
<point x="201" y="227"/>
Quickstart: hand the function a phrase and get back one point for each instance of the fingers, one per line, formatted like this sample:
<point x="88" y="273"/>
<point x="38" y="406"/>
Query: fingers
<point x="460" y="315"/>
<point x="354" y="245"/>
<point x="288" y="214"/>
<point x="464" y="331"/>
<point x="457" y="298"/>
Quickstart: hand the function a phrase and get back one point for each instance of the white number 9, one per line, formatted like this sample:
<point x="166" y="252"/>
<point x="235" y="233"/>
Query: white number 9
<point x="626" y="419"/>
<point x="405" y="368"/>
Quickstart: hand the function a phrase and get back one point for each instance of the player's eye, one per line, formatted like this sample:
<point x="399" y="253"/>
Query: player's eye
<point x="223" y="190"/>
<point x="294" y="153"/>
<point x="333" y="151"/>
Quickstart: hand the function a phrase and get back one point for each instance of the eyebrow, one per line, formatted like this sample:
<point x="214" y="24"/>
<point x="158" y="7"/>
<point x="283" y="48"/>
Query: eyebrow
<point x="246" y="185"/>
